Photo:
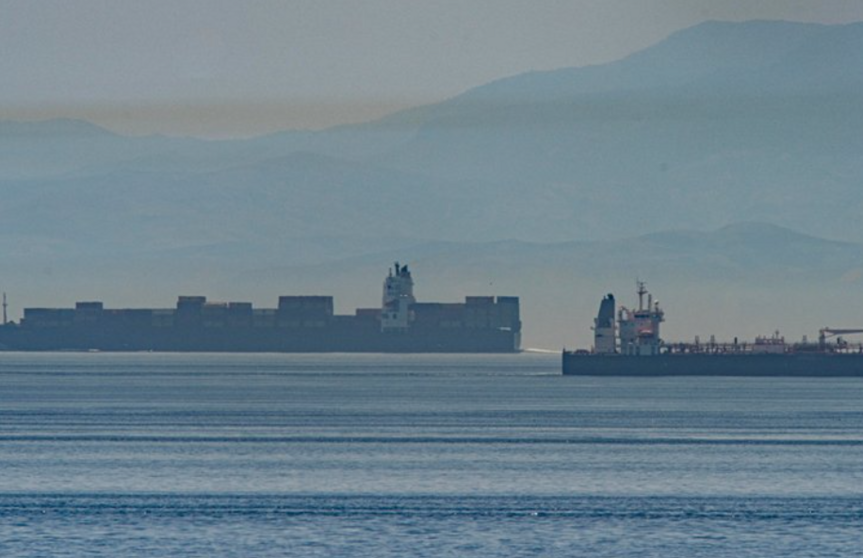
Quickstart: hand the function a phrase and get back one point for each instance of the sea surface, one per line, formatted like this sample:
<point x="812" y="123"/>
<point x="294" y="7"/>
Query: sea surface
<point x="129" y="455"/>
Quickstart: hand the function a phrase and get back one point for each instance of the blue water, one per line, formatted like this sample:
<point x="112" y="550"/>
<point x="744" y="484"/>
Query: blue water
<point x="373" y="455"/>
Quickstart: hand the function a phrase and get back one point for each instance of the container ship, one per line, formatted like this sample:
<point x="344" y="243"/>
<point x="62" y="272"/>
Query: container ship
<point x="481" y="324"/>
<point x="628" y="343"/>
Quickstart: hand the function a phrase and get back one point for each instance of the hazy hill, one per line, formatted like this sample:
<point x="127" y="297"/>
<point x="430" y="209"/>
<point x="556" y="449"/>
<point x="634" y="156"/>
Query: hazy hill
<point x="719" y="123"/>
<point x="722" y="122"/>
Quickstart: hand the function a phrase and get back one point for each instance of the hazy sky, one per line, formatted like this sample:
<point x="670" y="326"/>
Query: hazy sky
<point x="231" y="67"/>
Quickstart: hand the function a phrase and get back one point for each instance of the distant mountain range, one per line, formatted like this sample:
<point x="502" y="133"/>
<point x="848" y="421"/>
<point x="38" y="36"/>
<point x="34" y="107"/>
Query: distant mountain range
<point x="547" y="183"/>
<point x="719" y="123"/>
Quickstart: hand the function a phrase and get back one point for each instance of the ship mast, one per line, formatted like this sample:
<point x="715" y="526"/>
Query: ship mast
<point x="639" y="329"/>
<point x="4" y="309"/>
<point x="642" y="290"/>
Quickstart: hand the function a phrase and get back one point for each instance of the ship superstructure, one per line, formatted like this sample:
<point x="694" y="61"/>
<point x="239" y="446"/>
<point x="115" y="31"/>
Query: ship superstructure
<point x="631" y="345"/>
<point x="639" y="329"/>
<point x="397" y="300"/>
<point x="634" y="332"/>
<point x="297" y="324"/>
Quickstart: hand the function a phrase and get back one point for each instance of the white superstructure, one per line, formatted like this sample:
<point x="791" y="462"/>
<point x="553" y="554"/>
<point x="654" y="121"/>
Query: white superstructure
<point x="397" y="298"/>
<point x="639" y="329"/>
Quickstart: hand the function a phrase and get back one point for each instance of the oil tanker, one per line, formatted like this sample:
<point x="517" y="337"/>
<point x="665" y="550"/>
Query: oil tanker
<point x="480" y="324"/>
<point x="628" y="343"/>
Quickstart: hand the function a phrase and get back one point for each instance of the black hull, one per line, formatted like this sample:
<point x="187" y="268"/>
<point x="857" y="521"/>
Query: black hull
<point x="354" y="339"/>
<point x="804" y="365"/>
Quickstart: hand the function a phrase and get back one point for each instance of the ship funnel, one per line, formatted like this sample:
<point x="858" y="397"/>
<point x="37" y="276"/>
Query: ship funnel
<point x="604" y="330"/>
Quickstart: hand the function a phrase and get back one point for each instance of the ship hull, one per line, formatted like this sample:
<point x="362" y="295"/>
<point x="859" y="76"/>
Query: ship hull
<point x="746" y="365"/>
<point x="350" y="339"/>
<point x="299" y="324"/>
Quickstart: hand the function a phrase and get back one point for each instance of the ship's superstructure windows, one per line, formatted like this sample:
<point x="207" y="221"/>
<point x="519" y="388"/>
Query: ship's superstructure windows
<point x="639" y="329"/>
<point x="397" y="299"/>
<point x="398" y="284"/>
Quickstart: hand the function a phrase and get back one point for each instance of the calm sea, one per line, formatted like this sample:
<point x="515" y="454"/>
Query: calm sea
<point x="371" y="455"/>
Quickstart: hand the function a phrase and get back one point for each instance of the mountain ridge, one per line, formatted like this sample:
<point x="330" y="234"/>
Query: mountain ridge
<point x="586" y="170"/>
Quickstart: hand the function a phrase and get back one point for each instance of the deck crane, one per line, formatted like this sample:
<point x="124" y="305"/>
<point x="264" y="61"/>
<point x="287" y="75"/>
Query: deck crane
<point x="827" y="332"/>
